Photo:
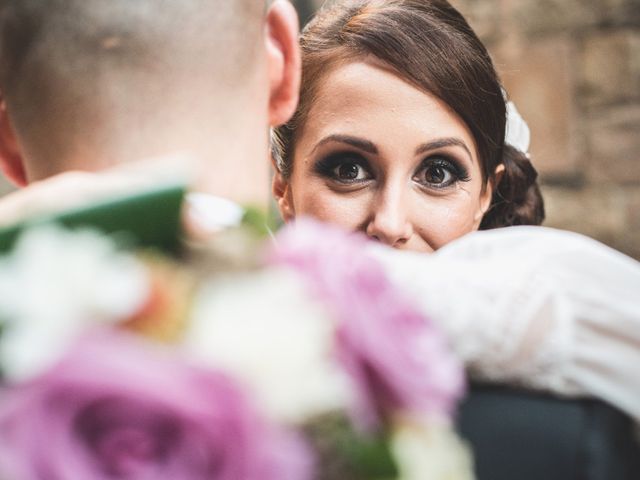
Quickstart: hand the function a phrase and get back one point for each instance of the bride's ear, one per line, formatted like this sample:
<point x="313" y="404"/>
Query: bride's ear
<point x="11" y="161"/>
<point x="487" y="195"/>
<point x="281" y="189"/>
<point x="283" y="61"/>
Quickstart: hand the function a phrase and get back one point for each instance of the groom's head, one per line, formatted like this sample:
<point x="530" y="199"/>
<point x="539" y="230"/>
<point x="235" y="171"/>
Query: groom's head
<point x="89" y="83"/>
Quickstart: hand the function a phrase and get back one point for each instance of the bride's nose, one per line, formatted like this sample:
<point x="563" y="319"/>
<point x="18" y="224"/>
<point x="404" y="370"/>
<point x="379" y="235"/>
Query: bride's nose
<point x="389" y="219"/>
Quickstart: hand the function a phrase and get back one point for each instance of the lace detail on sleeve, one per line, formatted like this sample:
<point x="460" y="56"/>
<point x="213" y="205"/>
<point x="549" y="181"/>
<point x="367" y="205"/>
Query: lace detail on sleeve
<point x="532" y="339"/>
<point x="515" y="333"/>
<point x="535" y="307"/>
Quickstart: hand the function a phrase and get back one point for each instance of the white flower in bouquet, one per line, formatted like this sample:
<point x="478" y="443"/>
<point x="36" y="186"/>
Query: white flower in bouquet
<point x="54" y="284"/>
<point x="430" y="450"/>
<point x="265" y="330"/>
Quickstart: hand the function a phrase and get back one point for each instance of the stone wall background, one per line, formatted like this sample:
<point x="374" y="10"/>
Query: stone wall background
<point x="573" y="69"/>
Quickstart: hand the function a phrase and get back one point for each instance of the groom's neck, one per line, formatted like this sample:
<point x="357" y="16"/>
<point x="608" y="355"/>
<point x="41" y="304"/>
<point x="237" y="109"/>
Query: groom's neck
<point x="223" y="149"/>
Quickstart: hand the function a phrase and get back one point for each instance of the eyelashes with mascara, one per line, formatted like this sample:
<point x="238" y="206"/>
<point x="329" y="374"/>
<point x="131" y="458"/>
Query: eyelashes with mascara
<point x="441" y="171"/>
<point x="344" y="167"/>
<point x="348" y="168"/>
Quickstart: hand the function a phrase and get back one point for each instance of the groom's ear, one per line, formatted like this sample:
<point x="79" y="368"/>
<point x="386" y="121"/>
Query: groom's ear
<point x="283" y="61"/>
<point x="11" y="160"/>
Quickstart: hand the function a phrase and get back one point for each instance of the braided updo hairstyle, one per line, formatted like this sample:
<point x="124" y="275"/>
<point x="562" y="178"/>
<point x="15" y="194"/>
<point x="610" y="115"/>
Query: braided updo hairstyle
<point x="429" y="44"/>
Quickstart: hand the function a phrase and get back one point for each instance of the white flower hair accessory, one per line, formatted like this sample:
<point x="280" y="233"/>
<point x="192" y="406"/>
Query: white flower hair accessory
<point x="517" y="134"/>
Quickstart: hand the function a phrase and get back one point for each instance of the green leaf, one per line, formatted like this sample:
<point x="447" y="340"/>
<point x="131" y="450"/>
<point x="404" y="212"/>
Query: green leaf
<point x="150" y="218"/>
<point x="261" y="222"/>
<point x="346" y="454"/>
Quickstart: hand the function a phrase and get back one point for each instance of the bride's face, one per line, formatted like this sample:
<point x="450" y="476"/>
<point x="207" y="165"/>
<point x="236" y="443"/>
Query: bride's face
<point x="380" y="156"/>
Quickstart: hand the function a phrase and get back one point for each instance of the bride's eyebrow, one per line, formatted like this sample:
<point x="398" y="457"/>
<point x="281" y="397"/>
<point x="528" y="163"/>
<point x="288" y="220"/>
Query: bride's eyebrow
<point x="359" y="143"/>
<point x="442" y="143"/>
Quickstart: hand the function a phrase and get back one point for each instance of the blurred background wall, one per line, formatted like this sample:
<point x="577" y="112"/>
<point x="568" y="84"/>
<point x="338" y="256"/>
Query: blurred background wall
<point x="573" y="69"/>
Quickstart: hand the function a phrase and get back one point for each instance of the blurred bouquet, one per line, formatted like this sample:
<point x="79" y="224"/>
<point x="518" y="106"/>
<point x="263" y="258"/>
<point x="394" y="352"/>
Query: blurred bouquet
<point x="307" y="364"/>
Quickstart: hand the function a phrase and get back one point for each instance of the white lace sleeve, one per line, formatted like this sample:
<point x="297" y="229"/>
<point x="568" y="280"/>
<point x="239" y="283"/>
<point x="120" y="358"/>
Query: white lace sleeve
<point x="534" y="306"/>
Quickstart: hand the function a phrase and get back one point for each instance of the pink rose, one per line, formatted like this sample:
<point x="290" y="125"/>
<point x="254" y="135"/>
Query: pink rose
<point x="397" y="358"/>
<point x="117" y="408"/>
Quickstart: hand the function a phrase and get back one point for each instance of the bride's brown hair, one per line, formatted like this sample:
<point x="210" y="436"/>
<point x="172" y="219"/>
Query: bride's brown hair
<point x="429" y="44"/>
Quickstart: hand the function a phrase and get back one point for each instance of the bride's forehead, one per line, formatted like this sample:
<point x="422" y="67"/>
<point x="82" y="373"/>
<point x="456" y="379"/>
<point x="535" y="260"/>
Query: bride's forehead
<point x="359" y="84"/>
<point x="360" y="91"/>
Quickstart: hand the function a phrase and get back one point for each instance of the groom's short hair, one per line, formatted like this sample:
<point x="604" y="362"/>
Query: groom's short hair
<point x="76" y="33"/>
<point x="58" y="57"/>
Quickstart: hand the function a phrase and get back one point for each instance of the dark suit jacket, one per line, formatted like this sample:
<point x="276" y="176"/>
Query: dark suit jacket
<point x="518" y="435"/>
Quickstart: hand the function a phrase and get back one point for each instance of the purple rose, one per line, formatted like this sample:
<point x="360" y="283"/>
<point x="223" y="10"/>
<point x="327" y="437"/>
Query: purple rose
<point x="118" y="408"/>
<point x="396" y="356"/>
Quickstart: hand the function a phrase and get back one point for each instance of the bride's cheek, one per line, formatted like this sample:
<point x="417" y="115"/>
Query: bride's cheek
<point x="335" y="208"/>
<point x="440" y="222"/>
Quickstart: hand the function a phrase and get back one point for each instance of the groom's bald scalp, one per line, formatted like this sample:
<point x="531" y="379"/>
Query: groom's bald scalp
<point x="58" y="57"/>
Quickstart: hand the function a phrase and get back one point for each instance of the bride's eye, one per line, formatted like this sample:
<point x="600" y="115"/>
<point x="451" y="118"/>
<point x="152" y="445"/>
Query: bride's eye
<point x="349" y="172"/>
<point x="344" y="168"/>
<point x="440" y="172"/>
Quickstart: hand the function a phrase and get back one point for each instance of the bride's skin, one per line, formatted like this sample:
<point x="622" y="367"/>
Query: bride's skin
<point x="380" y="156"/>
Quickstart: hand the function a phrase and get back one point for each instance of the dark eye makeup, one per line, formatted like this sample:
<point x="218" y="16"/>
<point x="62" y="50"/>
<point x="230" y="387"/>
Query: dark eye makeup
<point x="344" y="167"/>
<point x="437" y="171"/>
<point x="441" y="171"/>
